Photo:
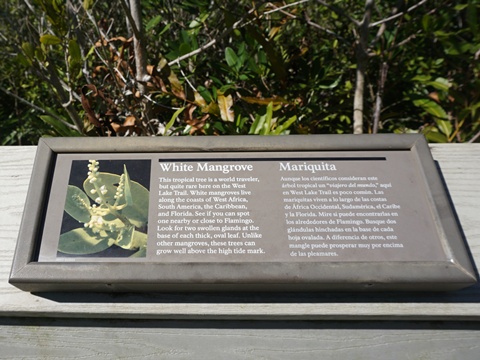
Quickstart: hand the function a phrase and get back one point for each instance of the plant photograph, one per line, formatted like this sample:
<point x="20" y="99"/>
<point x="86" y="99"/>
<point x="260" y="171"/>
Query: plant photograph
<point x="106" y="212"/>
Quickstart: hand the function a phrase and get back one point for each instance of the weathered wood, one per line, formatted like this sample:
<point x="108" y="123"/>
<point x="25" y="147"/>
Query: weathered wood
<point x="127" y="339"/>
<point x="459" y="166"/>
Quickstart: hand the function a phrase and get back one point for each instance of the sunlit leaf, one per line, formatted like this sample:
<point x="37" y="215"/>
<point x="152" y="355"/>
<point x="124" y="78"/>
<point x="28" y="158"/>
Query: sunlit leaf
<point x="88" y="4"/>
<point x="440" y="84"/>
<point x="284" y="126"/>
<point x="172" y="120"/>
<point x="431" y="107"/>
<point x="50" y="39"/>
<point x="153" y="22"/>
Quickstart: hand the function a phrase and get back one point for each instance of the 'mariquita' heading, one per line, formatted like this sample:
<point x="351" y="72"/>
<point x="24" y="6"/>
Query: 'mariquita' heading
<point x="307" y="167"/>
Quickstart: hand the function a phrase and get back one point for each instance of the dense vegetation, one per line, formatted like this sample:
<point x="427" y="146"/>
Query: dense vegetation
<point x="170" y="67"/>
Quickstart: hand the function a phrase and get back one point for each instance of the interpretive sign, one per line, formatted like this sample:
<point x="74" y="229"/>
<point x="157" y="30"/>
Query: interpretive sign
<point x="239" y="213"/>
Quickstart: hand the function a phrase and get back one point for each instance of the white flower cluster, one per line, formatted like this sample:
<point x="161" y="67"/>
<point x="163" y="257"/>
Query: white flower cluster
<point x="93" y="171"/>
<point x="121" y="185"/>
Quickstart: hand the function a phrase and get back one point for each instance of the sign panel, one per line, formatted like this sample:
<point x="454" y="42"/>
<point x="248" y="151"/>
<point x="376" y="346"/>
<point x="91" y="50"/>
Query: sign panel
<point x="244" y="213"/>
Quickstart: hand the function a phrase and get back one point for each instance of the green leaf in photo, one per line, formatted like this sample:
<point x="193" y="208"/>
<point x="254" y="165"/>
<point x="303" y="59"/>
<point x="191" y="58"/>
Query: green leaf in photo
<point x="77" y="204"/>
<point x="82" y="241"/>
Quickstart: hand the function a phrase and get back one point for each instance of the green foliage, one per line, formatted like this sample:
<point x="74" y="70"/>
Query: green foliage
<point x="253" y="68"/>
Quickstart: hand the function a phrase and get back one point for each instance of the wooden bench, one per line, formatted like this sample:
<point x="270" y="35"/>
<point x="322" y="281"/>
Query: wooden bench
<point x="280" y="326"/>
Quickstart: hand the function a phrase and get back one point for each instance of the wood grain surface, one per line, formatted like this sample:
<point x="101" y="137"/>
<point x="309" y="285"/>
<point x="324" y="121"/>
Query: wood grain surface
<point x="209" y="340"/>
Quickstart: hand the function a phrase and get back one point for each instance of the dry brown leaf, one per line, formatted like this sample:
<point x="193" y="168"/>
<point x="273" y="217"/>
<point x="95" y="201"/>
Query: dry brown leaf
<point x="225" y="104"/>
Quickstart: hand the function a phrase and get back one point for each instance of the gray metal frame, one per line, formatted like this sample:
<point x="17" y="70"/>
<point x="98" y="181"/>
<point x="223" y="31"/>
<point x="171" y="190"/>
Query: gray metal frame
<point x="455" y="271"/>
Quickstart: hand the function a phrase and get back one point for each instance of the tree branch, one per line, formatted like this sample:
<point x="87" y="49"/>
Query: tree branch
<point x="362" y="59"/>
<point x="328" y="31"/>
<point x="393" y="17"/>
<point x="212" y="42"/>
<point x="280" y="8"/>
<point x="38" y="108"/>
<point x="131" y="20"/>
<point x="339" y="11"/>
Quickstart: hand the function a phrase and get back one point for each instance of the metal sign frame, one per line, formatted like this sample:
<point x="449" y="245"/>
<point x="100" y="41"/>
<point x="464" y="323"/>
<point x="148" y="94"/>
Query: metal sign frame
<point x="451" y="272"/>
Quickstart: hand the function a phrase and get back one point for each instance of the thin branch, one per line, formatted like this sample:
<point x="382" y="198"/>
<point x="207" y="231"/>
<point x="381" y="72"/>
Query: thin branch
<point x="339" y="11"/>
<point x="328" y="31"/>
<point x="475" y="138"/>
<point x="405" y="41"/>
<point x="212" y="42"/>
<point x="30" y="7"/>
<point x="393" y="17"/>
<point x="38" y="108"/>
<point x="194" y="52"/>
<point x="379" y="97"/>
<point x="128" y="13"/>
<point x="279" y="8"/>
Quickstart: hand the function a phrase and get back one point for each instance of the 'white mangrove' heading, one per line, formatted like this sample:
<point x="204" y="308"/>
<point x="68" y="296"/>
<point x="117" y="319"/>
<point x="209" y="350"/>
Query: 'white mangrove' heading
<point x="307" y="167"/>
<point x="205" y="166"/>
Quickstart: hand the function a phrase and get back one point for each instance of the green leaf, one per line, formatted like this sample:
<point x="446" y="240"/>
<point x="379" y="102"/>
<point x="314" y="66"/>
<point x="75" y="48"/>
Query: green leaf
<point x="439" y="114"/>
<point x="431" y="107"/>
<point x="22" y="59"/>
<point x="172" y="120"/>
<point x="205" y="93"/>
<point x="460" y="7"/>
<point x="87" y="4"/>
<point x="77" y="204"/>
<point x="82" y="241"/>
<point x="184" y="49"/>
<point x="60" y="128"/>
<point x="50" y="39"/>
<point x="284" y="126"/>
<point x="268" y="120"/>
<point x="153" y="22"/>
<point x="40" y="54"/>
<point x="274" y="56"/>
<point x="436" y="137"/>
<point x="131" y="239"/>
<point x="165" y="29"/>
<point x="427" y="23"/>
<point x="257" y="125"/>
<point x="440" y="84"/>
<point x="421" y="78"/>
<point x="332" y="85"/>
<point x="231" y="57"/>
<point x="28" y="50"/>
<point x="74" y="52"/>
<point x="126" y="190"/>
<point x="444" y="126"/>
<point x="125" y="238"/>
